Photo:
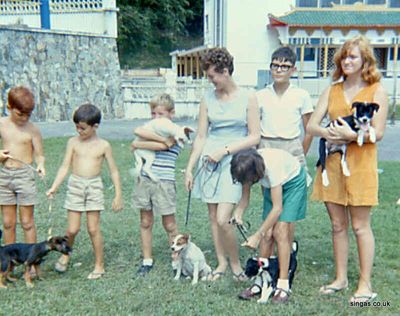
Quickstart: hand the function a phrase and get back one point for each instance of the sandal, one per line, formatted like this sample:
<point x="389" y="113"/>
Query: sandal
<point x="363" y="298"/>
<point x="328" y="290"/>
<point x="240" y="277"/>
<point x="95" y="275"/>
<point x="281" y="296"/>
<point x="250" y="292"/>
<point x="215" y="275"/>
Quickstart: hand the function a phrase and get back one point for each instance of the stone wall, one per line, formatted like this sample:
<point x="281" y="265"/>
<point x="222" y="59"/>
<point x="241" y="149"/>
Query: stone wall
<point x="63" y="71"/>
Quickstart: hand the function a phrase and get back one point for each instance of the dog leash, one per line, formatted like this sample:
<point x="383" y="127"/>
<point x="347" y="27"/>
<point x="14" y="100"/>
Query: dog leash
<point x="241" y="228"/>
<point x="50" y="208"/>
<point x="204" y="166"/>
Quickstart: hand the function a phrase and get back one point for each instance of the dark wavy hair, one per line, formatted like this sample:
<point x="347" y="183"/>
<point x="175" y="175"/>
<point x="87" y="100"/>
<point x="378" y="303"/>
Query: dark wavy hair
<point x="218" y="57"/>
<point x="370" y="72"/>
<point x="87" y="113"/>
<point x="247" y="166"/>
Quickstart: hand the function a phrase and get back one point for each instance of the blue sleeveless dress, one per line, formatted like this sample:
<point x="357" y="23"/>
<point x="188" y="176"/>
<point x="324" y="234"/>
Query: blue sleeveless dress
<point x="227" y="122"/>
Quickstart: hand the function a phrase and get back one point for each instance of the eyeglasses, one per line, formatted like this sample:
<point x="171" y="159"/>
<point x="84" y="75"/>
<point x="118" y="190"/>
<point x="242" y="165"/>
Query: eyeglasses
<point x="283" y="67"/>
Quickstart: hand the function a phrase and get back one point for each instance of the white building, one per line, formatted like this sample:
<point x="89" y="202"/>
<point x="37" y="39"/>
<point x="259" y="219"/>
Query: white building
<point x="251" y="30"/>
<point x="84" y="16"/>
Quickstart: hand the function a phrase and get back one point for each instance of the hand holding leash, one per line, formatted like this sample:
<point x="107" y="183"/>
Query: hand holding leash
<point x="242" y="229"/>
<point x="188" y="180"/>
<point x="4" y="155"/>
<point x="117" y="204"/>
<point x="41" y="171"/>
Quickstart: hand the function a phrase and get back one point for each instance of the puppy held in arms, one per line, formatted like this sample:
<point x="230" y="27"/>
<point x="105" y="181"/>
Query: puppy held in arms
<point x="166" y="128"/>
<point x="188" y="259"/>
<point x="360" y="122"/>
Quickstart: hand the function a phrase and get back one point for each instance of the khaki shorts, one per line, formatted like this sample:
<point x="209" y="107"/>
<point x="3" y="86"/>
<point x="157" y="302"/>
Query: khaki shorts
<point x="84" y="194"/>
<point x="17" y="186"/>
<point x="159" y="197"/>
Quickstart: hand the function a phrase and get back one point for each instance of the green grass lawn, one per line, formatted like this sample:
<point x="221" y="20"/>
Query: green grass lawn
<point x="120" y="292"/>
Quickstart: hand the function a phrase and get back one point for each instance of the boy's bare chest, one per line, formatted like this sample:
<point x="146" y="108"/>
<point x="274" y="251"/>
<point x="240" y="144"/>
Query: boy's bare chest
<point x="11" y="134"/>
<point x="89" y="152"/>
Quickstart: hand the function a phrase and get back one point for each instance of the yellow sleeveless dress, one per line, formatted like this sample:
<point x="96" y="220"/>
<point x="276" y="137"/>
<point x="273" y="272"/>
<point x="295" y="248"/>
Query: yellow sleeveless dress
<point x="361" y="187"/>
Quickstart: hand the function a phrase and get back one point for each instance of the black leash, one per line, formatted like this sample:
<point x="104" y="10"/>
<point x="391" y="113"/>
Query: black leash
<point x="241" y="228"/>
<point x="188" y="206"/>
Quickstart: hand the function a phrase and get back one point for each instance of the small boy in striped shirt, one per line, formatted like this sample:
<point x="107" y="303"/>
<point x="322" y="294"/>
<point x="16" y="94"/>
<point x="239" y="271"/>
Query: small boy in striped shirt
<point x="156" y="197"/>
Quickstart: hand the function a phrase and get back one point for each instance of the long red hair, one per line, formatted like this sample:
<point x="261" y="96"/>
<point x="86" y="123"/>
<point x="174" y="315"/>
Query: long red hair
<point x="370" y="72"/>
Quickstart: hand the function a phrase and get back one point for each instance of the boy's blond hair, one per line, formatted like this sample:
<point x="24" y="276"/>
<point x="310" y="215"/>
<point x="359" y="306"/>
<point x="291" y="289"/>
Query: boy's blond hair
<point x="164" y="100"/>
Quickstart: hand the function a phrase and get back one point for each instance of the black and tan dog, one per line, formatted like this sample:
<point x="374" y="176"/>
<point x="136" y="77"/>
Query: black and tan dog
<point x="30" y="255"/>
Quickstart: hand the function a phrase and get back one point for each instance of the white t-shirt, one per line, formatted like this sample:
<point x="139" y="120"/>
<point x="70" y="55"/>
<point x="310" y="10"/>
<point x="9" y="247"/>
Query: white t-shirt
<point x="282" y="116"/>
<point x="280" y="167"/>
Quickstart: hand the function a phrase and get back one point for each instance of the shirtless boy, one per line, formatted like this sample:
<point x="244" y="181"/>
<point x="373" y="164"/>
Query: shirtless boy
<point x="85" y="154"/>
<point x="22" y="144"/>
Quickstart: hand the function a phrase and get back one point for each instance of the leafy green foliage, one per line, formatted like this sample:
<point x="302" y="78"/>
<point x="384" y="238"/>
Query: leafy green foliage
<point x="148" y="30"/>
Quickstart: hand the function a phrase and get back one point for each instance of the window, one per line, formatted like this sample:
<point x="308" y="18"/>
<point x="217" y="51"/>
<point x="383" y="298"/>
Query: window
<point x="309" y="53"/>
<point x="307" y="3"/>
<point x="328" y="3"/>
<point x="376" y="1"/>
<point x="394" y="4"/>
<point x="381" y="55"/>
<point x="330" y="64"/>
<point x="391" y="53"/>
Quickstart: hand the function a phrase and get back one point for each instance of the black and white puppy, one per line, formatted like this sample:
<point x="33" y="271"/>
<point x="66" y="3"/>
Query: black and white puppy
<point x="268" y="272"/>
<point x="189" y="260"/>
<point x="359" y="122"/>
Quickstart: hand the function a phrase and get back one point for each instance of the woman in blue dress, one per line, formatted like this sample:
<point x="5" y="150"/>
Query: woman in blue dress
<point x="228" y="122"/>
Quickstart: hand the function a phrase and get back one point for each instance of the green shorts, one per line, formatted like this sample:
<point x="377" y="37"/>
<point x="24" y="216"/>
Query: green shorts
<point x="294" y="194"/>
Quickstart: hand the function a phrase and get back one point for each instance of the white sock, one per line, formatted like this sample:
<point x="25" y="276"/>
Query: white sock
<point x="283" y="284"/>
<point x="148" y="262"/>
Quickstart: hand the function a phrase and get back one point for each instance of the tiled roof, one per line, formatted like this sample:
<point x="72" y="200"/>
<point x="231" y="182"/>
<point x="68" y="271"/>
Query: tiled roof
<point x="338" y="18"/>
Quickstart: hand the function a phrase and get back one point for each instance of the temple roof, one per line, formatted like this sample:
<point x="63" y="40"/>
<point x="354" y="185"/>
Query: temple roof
<point x="337" y="18"/>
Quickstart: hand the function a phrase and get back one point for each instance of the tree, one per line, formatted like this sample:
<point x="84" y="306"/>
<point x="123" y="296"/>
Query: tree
<point x="149" y="28"/>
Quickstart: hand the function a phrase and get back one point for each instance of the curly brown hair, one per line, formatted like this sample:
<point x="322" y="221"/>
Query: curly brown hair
<point x="218" y="57"/>
<point x="370" y="72"/>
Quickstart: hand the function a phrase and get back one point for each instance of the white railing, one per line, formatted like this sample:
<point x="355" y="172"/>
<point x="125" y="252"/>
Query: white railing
<point x="87" y="16"/>
<point x="137" y="92"/>
<point x="56" y="6"/>
<point x="19" y="7"/>
<point x="187" y="96"/>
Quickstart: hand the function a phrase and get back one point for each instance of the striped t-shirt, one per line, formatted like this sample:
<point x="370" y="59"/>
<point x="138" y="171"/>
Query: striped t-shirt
<point x="164" y="164"/>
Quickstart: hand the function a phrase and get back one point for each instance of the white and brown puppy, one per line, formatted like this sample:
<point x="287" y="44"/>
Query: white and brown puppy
<point x="188" y="259"/>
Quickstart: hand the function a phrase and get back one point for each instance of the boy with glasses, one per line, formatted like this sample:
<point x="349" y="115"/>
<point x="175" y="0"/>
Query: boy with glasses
<point x="285" y="110"/>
